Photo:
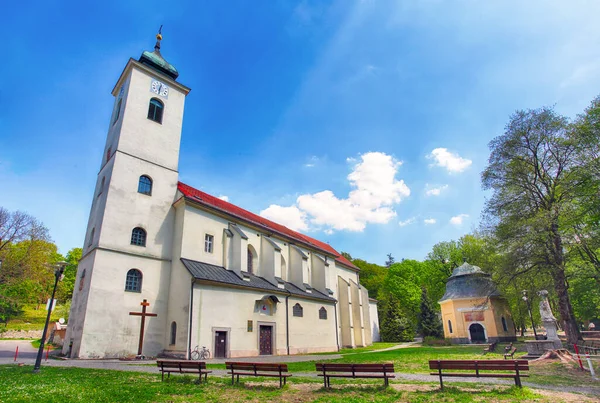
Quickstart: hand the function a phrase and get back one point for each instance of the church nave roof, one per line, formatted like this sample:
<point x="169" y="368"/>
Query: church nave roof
<point x="231" y="209"/>
<point x="219" y="274"/>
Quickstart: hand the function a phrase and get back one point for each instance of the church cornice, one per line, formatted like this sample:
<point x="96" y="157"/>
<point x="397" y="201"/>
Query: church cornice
<point x="132" y="63"/>
<point x="124" y="252"/>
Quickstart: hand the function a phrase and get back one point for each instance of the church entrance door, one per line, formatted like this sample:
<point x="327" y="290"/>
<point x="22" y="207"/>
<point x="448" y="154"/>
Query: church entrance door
<point x="477" y="333"/>
<point x="266" y="340"/>
<point x="220" y="344"/>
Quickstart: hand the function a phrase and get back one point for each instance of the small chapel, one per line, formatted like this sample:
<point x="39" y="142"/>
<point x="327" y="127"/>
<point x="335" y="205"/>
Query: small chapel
<point x="167" y="267"/>
<point x="473" y="310"/>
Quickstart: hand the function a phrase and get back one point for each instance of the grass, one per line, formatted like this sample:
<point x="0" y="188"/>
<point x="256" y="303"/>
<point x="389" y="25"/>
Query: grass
<point x="34" y="319"/>
<point x="415" y="360"/>
<point x="66" y="385"/>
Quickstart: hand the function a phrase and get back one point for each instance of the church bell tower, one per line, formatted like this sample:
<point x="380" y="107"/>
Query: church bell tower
<point x="128" y="244"/>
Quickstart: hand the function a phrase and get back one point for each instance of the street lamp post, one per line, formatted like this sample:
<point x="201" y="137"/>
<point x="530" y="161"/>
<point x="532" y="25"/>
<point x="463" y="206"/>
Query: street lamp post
<point x="529" y="309"/>
<point x="57" y="276"/>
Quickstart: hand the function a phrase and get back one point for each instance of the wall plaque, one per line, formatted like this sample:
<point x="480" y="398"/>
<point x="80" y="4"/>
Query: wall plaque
<point x="476" y="316"/>
<point x="249" y="325"/>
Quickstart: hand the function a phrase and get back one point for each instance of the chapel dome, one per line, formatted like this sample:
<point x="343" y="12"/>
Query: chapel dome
<point x="157" y="61"/>
<point x="469" y="281"/>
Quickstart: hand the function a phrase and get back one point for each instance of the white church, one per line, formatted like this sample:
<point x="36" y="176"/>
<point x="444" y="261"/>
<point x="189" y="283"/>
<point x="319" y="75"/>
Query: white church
<point x="212" y="273"/>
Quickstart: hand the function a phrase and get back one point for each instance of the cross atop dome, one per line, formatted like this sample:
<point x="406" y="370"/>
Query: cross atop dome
<point x="157" y="61"/>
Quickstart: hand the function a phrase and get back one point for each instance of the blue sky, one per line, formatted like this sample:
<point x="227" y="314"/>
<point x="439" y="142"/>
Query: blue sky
<point x="359" y="122"/>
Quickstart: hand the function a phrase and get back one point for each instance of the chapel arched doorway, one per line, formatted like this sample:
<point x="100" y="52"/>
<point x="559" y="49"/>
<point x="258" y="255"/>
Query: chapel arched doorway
<point x="477" y="333"/>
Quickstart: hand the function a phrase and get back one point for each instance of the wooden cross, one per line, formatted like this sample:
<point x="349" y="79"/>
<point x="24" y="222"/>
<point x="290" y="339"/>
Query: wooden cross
<point x="143" y="314"/>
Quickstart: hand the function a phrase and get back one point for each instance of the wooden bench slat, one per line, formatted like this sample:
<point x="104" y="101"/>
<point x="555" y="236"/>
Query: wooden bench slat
<point x="511" y="368"/>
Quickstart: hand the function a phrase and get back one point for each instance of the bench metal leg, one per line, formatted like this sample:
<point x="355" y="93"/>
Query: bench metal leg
<point x="232" y="377"/>
<point x="238" y="379"/>
<point x="441" y="381"/>
<point x="163" y="376"/>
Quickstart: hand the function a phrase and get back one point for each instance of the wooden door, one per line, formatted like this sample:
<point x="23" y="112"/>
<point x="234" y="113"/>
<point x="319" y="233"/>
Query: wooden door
<point x="477" y="333"/>
<point x="220" y="344"/>
<point x="266" y="340"/>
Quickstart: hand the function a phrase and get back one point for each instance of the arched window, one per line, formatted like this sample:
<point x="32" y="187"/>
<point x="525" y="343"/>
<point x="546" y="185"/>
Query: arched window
<point x="173" y="332"/>
<point x="101" y="186"/>
<point x="118" y="112"/>
<point x="133" y="282"/>
<point x="252" y="259"/>
<point x="155" y="110"/>
<point x="138" y="236"/>
<point x="322" y="313"/>
<point x="145" y="185"/>
<point x="450" y="326"/>
<point x="298" y="311"/>
<point x="82" y="280"/>
<point x="91" y="240"/>
<point x="504" y="324"/>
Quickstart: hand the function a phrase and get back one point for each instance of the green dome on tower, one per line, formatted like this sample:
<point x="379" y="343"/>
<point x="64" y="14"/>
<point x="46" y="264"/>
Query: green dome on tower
<point x="157" y="61"/>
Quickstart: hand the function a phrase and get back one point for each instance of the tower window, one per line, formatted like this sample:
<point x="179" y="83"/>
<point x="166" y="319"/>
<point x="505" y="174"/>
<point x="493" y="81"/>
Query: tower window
<point x="504" y="326"/>
<point x="133" y="282"/>
<point x="145" y="185"/>
<point x="298" y="311"/>
<point x="450" y="326"/>
<point x="118" y="112"/>
<point x="208" y="243"/>
<point x="108" y="153"/>
<point x="91" y="237"/>
<point x="155" y="110"/>
<point x="101" y="186"/>
<point x="322" y="313"/>
<point x="138" y="236"/>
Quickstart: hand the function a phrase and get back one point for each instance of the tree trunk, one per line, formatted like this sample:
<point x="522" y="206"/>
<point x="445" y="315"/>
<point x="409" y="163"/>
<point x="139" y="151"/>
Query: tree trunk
<point x="564" y="306"/>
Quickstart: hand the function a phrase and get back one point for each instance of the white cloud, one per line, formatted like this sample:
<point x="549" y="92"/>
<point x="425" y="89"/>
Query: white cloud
<point x="429" y="221"/>
<point x="376" y="190"/>
<point x="291" y="216"/>
<point x="225" y="198"/>
<point x="407" y="222"/>
<point x="451" y="161"/>
<point x="434" y="190"/>
<point x="458" y="220"/>
<point x="312" y="161"/>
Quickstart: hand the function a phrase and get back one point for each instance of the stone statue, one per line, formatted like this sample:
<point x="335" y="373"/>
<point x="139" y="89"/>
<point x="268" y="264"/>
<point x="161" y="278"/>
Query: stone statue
<point x="549" y="320"/>
<point x="545" y="311"/>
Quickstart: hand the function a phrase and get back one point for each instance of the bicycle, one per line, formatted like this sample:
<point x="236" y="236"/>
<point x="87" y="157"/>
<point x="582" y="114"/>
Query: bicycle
<point x="203" y="354"/>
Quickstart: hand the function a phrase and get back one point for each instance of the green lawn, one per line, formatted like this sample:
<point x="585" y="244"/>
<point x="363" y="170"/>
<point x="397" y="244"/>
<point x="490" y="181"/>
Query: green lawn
<point x="34" y="319"/>
<point x="66" y="385"/>
<point x="415" y="360"/>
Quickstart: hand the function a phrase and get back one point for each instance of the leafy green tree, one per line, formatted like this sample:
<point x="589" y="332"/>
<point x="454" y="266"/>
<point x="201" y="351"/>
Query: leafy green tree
<point x="65" y="288"/>
<point x="394" y="325"/>
<point x="390" y="260"/>
<point x="429" y="322"/>
<point x="533" y="175"/>
<point x="372" y="276"/>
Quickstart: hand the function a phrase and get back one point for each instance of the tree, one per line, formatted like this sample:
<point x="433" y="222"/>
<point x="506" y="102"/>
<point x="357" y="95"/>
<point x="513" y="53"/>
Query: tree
<point x="390" y="260"/>
<point x="65" y="288"/>
<point x="372" y="276"/>
<point x="394" y="325"/>
<point x="429" y="322"/>
<point x="533" y="176"/>
<point x="18" y="226"/>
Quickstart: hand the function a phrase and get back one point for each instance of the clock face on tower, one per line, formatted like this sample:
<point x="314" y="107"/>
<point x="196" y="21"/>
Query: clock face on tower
<point x="159" y="88"/>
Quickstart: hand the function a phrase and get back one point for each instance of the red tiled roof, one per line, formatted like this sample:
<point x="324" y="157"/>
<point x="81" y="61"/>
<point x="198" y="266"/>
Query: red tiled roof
<point x="212" y="201"/>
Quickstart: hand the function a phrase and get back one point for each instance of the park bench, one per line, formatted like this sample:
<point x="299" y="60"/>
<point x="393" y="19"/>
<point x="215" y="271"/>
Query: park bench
<point x="238" y="369"/>
<point x="491" y="347"/>
<point x="508" y="348"/>
<point x="183" y="367"/>
<point x="510" y="353"/>
<point x="379" y="371"/>
<point x="591" y="347"/>
<point x="512" y="369"/>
